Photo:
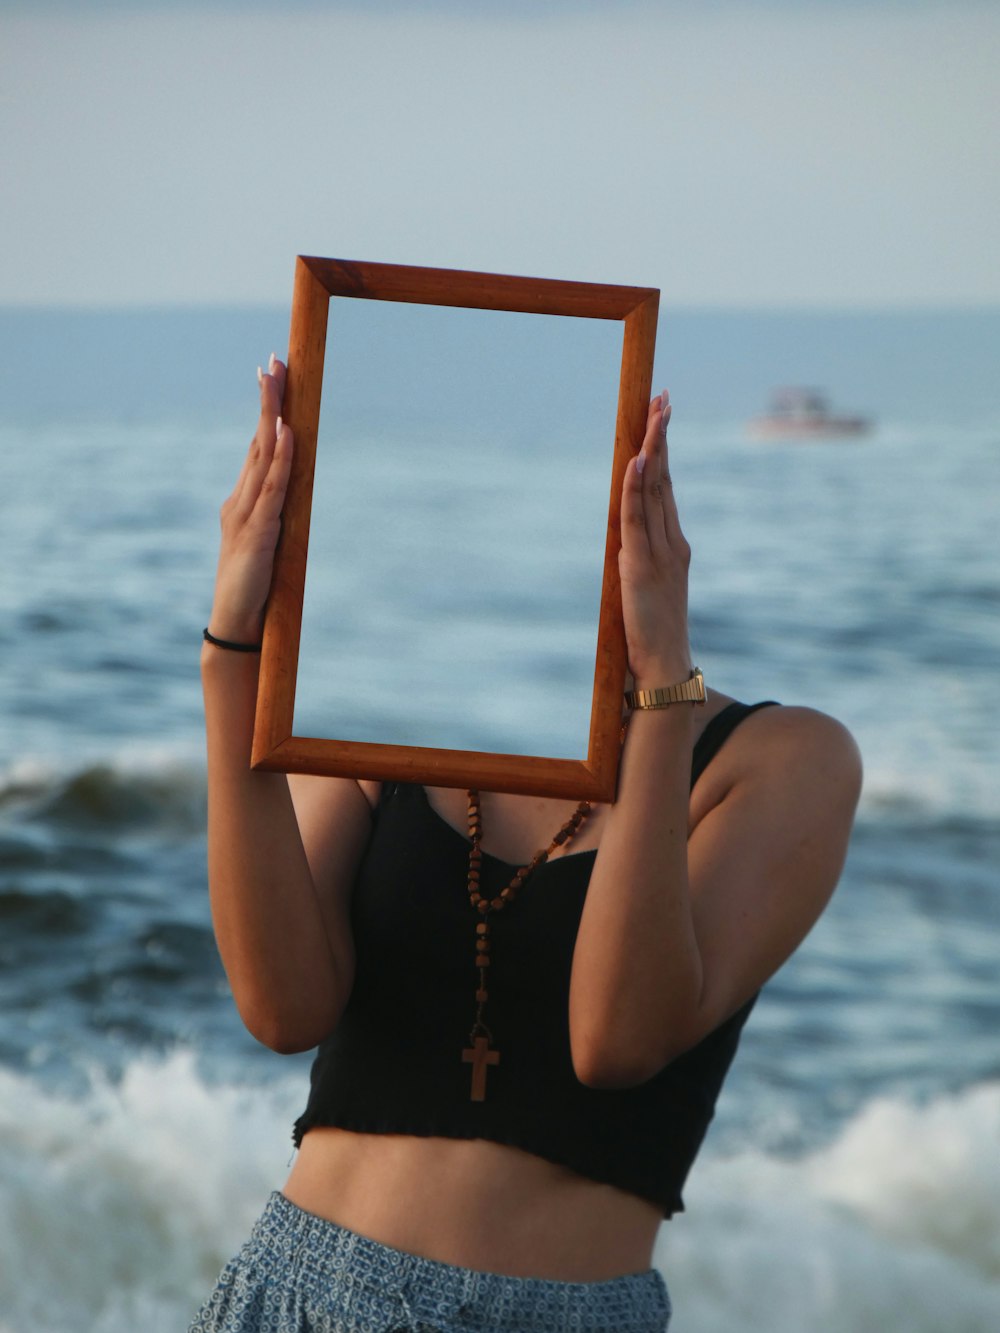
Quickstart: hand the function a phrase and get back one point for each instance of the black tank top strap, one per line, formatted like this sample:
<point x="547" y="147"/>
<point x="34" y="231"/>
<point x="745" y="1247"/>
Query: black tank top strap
<point x="718" y="731"/>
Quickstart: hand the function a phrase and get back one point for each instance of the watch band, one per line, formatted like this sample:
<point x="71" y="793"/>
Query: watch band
<point x="691" y="690"/>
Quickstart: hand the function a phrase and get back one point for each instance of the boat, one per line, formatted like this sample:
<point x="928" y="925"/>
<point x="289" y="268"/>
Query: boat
<point x="803" y="414"/>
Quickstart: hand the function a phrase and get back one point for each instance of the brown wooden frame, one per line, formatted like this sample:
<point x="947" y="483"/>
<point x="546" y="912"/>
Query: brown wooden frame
<point x="274" y="746"/>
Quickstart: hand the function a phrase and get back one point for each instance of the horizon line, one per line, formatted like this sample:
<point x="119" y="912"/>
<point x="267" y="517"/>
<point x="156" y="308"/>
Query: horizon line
<point x="708" y="306"/>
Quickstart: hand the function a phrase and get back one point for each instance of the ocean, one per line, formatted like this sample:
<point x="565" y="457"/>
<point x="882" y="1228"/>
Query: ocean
<point x="852" y="1177"/>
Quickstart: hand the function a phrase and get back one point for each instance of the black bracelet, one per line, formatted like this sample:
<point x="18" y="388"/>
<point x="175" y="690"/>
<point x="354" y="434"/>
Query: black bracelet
<point x="228" y="643"/>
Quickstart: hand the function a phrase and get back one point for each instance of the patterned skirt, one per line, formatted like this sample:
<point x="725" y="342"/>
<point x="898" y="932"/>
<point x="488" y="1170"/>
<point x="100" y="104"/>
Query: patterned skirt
<point x="302" y="1274"/>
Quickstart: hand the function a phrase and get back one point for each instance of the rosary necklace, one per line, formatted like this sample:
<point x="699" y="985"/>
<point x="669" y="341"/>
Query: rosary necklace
<point x="480" y="1053"/>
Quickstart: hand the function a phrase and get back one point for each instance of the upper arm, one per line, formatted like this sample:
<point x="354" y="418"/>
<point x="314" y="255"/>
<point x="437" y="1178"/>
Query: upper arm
<point x="334" y="816"/>
<point x="767" y="850"/>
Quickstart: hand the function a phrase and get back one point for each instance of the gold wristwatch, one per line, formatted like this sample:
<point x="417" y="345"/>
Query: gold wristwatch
<point x="691" y="691"/>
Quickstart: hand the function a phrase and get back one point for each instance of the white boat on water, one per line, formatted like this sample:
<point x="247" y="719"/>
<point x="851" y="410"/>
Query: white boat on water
<point x="803" y="414"/>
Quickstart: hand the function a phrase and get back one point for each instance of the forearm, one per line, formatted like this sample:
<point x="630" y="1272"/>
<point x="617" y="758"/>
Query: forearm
<point x="265" y="909"/>
<point x="637" y="972"/>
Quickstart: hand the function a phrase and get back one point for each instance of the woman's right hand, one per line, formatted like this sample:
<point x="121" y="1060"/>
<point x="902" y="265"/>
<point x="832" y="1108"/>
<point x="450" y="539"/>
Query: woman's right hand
<point x="251" y="520"/>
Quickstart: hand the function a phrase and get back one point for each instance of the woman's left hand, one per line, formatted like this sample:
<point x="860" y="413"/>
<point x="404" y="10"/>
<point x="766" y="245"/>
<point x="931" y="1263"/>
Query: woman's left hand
<point x="653" y="562"/>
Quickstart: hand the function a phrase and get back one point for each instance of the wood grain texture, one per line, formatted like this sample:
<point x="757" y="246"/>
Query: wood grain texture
<point x="274" y="747"/>
<point x="531" y="775"/>
<point x="638" y="347"/>
<point x="477" y="291"/>
<point x="283" y="616"/>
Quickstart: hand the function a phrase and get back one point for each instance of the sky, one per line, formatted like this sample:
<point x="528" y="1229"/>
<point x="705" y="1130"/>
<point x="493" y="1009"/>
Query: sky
<point x="786" y="153"/>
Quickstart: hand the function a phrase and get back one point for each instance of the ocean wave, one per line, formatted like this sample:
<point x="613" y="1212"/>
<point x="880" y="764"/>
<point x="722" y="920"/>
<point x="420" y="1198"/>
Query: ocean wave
<point x="51" y="913"/>
<point x="949" y="793"/>
<point x="894" y="1225"/>
<point x="167" y="789"/>
<point x="121" y="1206"/>
<point x="165" y="792"/>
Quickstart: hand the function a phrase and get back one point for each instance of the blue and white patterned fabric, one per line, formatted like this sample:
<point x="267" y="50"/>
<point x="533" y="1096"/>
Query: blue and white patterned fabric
<point x="301" y="1274"/>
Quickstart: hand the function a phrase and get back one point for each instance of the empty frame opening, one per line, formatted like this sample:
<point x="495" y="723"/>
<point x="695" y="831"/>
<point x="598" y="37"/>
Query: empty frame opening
<point x="458" y="529"/>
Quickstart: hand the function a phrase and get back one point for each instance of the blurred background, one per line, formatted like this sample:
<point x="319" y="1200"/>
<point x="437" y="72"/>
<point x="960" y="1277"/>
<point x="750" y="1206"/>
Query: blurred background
<point x="813" y="186"/>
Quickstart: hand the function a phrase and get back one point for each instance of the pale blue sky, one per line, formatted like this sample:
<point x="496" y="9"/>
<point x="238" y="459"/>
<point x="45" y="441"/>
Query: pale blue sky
<point x="769" y="154"/>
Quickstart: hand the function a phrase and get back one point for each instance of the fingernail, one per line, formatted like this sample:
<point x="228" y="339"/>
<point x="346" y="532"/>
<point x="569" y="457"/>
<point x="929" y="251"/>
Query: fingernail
<point x="640" y="462"/>
<point x="260" y="375"/>
<point x="665" y="398"/>
<point x="277" y="429"/>
<point x="272" y="360"/>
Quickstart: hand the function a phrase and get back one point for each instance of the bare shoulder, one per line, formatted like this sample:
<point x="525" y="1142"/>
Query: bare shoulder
<point x="784" y="761"/>
<point x="791" y="740"/>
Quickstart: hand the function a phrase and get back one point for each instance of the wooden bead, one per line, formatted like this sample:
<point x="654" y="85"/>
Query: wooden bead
<point x="484" y="906"/>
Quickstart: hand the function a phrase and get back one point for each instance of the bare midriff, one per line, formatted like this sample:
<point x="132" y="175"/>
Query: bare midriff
<point x="475" y="1204"/>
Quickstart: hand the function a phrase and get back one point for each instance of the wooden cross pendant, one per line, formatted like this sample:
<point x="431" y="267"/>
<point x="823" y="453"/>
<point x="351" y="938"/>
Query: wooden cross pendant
<point x="479" y="1056"/>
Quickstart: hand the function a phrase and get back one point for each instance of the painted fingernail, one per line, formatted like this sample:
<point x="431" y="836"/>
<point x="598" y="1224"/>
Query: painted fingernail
<point x="277" y="429"/>
<point x="271" y="363"/>
<point x="640" y="462"/>
<point x="260" y="375"/>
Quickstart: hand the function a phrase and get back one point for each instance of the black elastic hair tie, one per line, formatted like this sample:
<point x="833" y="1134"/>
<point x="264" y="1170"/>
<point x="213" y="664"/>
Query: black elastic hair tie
<point x="228" y="643"/>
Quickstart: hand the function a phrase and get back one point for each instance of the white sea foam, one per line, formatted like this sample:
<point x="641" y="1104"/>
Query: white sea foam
<point x="117" y="1210"/>
<point x="893" y="1226"/>
<point x="120" y="1208"/>
<point x="925" y="772"/>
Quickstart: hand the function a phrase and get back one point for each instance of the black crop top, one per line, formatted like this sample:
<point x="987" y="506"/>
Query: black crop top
<point x="394" y="1062"/>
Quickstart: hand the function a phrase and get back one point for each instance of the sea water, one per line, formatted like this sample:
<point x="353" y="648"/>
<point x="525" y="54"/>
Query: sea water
<point x="852" y="1177"/>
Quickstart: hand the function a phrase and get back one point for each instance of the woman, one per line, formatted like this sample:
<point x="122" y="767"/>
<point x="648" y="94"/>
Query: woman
<point x="516" y="1069"/>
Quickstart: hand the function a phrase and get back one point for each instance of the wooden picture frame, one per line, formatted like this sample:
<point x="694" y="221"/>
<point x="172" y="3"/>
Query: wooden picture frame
<point x="274" y="746"/>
